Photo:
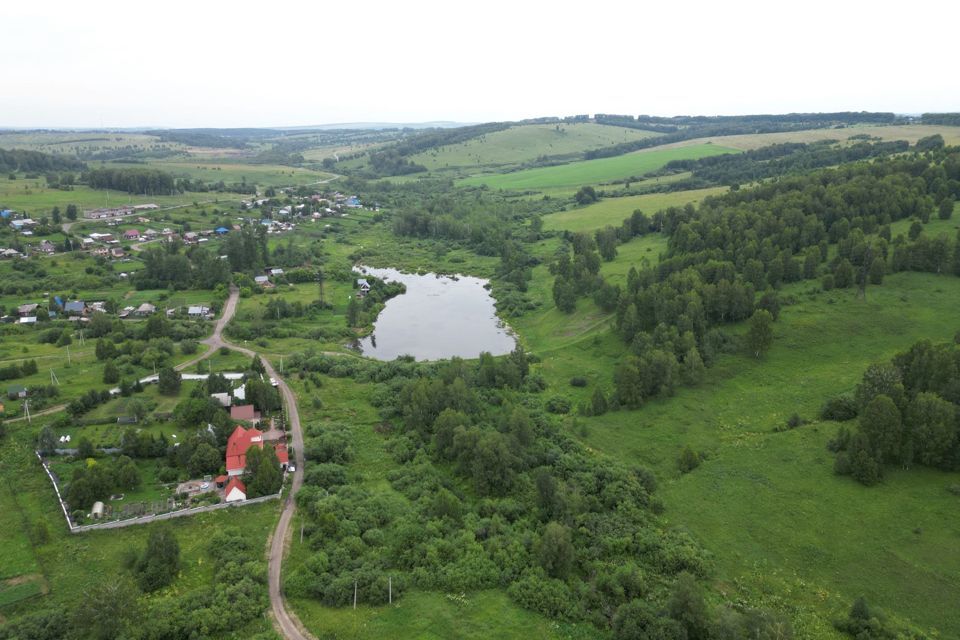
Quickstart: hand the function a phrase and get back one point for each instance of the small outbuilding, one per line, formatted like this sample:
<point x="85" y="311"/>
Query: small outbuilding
<point x="235" y="491"/>
<point x="97" y="511"/>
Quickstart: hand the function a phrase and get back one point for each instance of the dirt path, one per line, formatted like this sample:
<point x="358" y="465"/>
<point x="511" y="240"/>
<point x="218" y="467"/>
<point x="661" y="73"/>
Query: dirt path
<point x="285" y="621"/>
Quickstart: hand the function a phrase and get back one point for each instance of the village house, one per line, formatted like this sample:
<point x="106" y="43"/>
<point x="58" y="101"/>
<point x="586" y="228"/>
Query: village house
<point x="75" y="308"/>
<point x="363" y="287"/>
<point x="25" y="310"/>
<point x="198" y="311"/>
<point x="240" y="441"/>
<point x="223" y="398"/>
<point x="47" y="247"/>
<point x="23" y="224"/>
<point x="131" y="234"/>
<point x="117" y="252"/>
<point x="190" y="237"/>
<point x="145" y="309"/>
<point x="16" y="391"/>
<point x="263" y="281"/>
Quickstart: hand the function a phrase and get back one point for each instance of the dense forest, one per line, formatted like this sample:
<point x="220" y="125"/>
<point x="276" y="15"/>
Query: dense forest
<point x="13" y="160"/>
<point x="134" y="180"/>
<point x="724" y="252"/>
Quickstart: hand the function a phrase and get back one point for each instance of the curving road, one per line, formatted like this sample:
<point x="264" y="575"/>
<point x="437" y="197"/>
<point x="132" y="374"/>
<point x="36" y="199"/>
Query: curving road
<point x="286" y="622"/>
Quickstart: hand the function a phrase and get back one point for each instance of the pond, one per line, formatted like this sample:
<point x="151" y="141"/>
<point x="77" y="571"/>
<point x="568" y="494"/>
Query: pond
<point x="439" y="317"/>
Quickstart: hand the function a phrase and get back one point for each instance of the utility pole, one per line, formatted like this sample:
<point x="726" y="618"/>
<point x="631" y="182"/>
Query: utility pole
<point x="69" y="361"/>
<point x="53" y="378"/>
<point x="26" y="409"/>
<point x="354" y="594"/>
<point x="390" y="587"/>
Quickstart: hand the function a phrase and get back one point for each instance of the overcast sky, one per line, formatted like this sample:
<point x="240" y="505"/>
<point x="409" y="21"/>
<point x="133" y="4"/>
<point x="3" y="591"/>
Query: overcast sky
<point x="281" y="63"/>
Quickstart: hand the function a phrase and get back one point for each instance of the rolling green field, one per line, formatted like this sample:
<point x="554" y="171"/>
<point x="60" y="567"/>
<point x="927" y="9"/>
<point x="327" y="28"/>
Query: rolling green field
<point x="613" y="211"/>
<point x="32" y="196"/>
<point x="526" y="143"/>
<point x="593" y="172"/>
<point x="782" y="528"/>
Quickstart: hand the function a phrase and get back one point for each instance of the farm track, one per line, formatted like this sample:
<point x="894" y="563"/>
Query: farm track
<point x="285" y="621"/>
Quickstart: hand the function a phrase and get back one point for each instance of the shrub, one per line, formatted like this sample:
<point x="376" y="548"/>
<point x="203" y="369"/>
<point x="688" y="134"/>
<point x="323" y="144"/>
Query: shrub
<point x="558" y="404"/>
<point x="840" y="408"/>
<point x="689" y="460"/>
<point x="578" y="381"/>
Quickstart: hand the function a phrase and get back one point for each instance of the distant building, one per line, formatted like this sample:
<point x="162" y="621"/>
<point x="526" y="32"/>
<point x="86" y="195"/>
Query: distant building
<point x="145" y="309"/>
<point x="363" y="287"/>
<point x="197" y="311"/>
<point x="27" y="310"/>
<point x="75" y="307"/>
<point x="16" y="391"/>
<point x="131" y="234"/>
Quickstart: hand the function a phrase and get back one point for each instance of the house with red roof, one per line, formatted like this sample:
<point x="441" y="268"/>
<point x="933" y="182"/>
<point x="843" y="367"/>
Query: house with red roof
<point x="242" y="439"/>
<point x="235" y="491"/>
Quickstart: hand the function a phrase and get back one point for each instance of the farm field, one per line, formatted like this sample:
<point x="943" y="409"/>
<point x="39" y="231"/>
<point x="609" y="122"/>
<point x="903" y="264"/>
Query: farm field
<point x="909" y="132"/>
<point x="263" y="175"/>
<point x="593" y="172"/>
<point x="613" y="211"/>
<point x="33" y="197"/>
<point x="73" y="142"/>
<point x="526" y="143"/>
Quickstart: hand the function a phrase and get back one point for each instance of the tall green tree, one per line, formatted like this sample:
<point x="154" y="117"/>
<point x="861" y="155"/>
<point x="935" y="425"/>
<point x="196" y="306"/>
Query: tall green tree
<point x="159" y="563"/>
<point x="760" y="332"/>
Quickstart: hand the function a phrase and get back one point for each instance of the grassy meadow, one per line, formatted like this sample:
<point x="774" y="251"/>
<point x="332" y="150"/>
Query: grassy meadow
<point x="526" y="143"/>
<point x="613" y="211"/>
<point x="592" y="172"/>
<point x="781" y="526"/>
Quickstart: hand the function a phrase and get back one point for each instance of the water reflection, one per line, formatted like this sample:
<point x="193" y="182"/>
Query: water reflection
<point x="438" y="317"/>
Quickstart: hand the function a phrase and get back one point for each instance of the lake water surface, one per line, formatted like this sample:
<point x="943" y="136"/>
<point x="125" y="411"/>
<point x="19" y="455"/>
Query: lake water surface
<point x="438" y="317"/>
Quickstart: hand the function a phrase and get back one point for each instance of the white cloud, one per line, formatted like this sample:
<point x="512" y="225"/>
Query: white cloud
<point x="107" y="63"/>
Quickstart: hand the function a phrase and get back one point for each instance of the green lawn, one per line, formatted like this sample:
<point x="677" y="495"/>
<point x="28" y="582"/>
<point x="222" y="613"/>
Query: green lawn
<point x="592" y="172"/>
<point x="613" y="211"/>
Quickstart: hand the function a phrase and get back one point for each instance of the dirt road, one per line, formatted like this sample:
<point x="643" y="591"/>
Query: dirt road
<point x="285" y="622"/>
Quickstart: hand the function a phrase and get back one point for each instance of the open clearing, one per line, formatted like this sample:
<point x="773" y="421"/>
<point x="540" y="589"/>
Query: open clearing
<point x="593" y="172"/>
<point x="612" y="211"/>
<point x="526" y="143"/>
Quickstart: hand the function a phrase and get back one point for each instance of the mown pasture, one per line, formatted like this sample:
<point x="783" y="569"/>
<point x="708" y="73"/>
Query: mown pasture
<point x="526" y="143"/>
<point x="568" y="177"/>
<point x="613" y="211"/>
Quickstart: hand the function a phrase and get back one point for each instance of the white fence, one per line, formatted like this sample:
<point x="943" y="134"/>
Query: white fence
<point x="153" y="517"/>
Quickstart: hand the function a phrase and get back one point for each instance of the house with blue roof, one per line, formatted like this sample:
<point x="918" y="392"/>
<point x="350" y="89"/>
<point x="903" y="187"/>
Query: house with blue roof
<point x="221" y="231"/>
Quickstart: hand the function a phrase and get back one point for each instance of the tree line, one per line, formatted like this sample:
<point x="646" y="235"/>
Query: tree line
<point x="15" y="160"/>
